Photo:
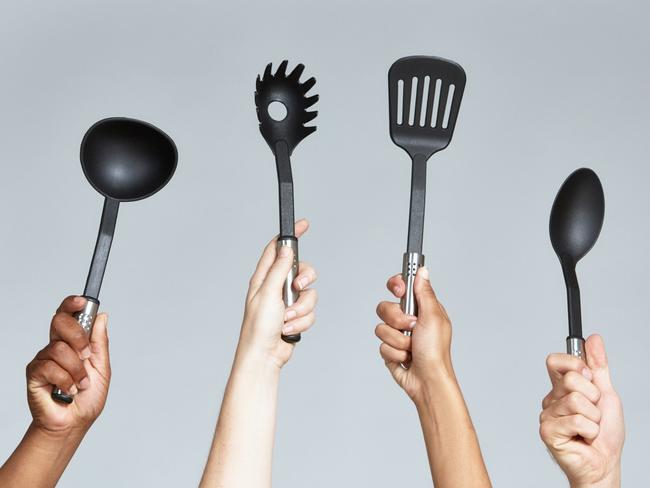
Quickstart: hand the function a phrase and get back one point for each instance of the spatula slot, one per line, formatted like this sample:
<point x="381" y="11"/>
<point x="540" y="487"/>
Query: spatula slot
<point x="425" y="100"/>
<point x="412" y="104"/>
<point x="450" y="98"/>
<point x="400" y="102"/>
<point x="436" y="102"/>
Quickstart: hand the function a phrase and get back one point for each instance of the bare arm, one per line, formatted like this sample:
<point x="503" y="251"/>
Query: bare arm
<point x="421" y="365"/>
<point x="80" y="366"/>
<point x="242" y="449"/>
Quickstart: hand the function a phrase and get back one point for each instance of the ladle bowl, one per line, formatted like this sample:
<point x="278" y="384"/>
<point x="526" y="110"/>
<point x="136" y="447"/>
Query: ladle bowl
<point x="127" y="159"/>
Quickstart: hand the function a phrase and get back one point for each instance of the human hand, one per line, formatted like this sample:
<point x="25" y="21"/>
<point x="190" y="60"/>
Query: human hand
<point x="425" y="355"/>
<point x="266" y="318"/>
<point x="582" y="419"/>
<point x="77" y="364"/>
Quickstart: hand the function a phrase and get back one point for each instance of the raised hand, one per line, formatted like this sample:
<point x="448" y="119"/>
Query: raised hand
<point x="582" y="418"/>
<point x="74" y="362"/>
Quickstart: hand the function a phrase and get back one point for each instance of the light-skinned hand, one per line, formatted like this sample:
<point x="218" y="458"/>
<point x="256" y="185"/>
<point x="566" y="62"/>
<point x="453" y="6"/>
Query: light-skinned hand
<point x="582" y="419"/>
<point x="412" y="360"/>
<point x="265" y="317"/>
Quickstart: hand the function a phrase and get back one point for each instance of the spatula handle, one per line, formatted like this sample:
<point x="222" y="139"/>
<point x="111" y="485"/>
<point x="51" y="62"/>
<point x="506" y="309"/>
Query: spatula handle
<point x="289" y="293"/>
<point x="576" y="347"/>
<point x="411" y="262"/>
<point x="86" y="319"/>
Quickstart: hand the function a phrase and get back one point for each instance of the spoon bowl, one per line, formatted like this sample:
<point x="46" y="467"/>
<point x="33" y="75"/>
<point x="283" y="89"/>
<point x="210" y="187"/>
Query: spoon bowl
<point x="126" y="159"/>
<point x="577" y="215"/>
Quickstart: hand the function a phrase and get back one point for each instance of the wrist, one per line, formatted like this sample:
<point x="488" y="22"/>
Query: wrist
<point x="432" y="377"/>
<point x="252" y="360"/>
<point x="611" y="480"/>
<point x="436" y="384"/>
<point x="54" y="442"/>
<point x="63" y="435"/>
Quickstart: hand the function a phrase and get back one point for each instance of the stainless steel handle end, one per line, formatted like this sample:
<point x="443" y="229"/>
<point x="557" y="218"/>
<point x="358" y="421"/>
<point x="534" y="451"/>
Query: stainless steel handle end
<point x="411" y="263"/>
<point x="289" y="293"/>
<point x="86" y="319"/>
<point x="576" y="347"/>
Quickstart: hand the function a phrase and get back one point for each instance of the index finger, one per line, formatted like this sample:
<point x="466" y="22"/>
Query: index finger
<point x="395" y="285"/>
<point x="71" y="304"/>
<point x="558" y="364"/>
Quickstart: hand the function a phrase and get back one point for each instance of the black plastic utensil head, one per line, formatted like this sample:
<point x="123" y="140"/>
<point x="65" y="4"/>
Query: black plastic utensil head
<point x="288" y="91"/>
<point x="127" y="159"/>
<point x="424" y="94"/>
<point x="577" y="215"/>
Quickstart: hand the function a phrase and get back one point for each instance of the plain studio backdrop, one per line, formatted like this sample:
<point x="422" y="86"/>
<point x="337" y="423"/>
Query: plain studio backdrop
<point x="550" y="88"/>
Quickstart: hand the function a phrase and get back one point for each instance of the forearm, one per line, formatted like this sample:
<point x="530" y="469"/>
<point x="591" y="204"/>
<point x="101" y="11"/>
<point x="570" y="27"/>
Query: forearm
<point x="40" y="458"/>
<point x="452" y="445"/>
<point x="242" y="450"/>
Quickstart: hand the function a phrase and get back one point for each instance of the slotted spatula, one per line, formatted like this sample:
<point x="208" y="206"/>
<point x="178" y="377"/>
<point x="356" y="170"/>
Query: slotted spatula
<point x="424" y="94"/>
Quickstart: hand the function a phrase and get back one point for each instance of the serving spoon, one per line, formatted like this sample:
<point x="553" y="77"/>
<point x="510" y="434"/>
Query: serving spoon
<point x="576" y="220"/>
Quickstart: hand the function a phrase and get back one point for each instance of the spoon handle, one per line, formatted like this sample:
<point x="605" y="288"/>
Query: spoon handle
<point x="86" y="319"/>
<point x="575" y="346"/>
<point x="289" y="293"/>
<point x="411" y="262"/>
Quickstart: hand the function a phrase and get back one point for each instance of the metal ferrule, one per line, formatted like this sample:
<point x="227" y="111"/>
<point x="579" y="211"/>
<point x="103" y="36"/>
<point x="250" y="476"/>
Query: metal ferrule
<point x="86" y="317"/>
<point x="289" y="294"/>
<point x="410" y="265"/>
<point x="576" y="347"/>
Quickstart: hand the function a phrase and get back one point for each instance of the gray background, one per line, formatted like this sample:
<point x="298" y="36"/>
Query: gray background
<point x="551" y="87"/>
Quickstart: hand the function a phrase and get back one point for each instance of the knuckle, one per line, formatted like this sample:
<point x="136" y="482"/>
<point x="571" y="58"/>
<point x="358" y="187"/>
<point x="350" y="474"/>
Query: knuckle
<point x="569" y="380"/>
<point x="545" y="431"/>
<point x="550" y="361"/>
<point x="574" y="400"/>
<point x="58" y="320"/>
<point x="378" y="330"/>
<point x="542" y="416"/>
<point x="59" y="348"/>
<point x="78" y="336"/>
<point x="575" y="421"/>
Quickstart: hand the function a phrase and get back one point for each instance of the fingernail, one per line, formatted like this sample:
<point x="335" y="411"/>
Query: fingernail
<point x="85" y="354"/>
<point x="85" y="383"/>
<point x="424" y="272"/>
<point x="303" y="282"/>
<point x="586" y="372"/>
<point x="73" y="390"/>
<point x="287" y="330"/>
<point x="395" y="290"/>
<point x="290" y="314"/>
<point x="284" y="251"/>
<point x="412" y="324"/>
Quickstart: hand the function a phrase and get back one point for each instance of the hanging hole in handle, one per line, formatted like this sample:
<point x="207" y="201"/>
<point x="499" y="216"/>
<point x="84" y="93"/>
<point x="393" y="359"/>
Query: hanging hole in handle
<point x="277" y="111"/>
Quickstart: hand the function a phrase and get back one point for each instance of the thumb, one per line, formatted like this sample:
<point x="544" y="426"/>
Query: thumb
<point x="424" y="294"/>
<point x="279" y="270"/>
<point x="597" y="362"/>
<point x="100" y="358"/>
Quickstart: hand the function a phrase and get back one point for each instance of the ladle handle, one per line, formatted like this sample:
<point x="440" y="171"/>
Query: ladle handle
<point x="411" y="262"/>
<point x="289" y="293"/>
<point x="575" y="346"/>
<point x="86" y="319"/>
